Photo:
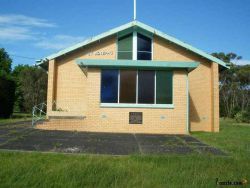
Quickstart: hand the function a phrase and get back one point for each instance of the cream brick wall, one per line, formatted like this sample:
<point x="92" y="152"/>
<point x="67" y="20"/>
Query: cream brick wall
<point x="51" y="85"/>
<point x="70" y="94"/>
<point x="79" y="95"/>
<point x="117" y="119"/>
<point x="204" y="101"/>
<point x="215" y="97"/>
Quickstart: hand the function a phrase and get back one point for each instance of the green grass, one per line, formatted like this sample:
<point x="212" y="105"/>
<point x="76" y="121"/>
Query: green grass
<point x="233" y="138"/>
<point x="23" y="169"/>
<point x="16" y="117"/>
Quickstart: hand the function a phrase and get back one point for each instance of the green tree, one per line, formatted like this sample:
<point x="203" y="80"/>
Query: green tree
<point x="19" y="99"/>
<point x="31" y="86"/>
<point x="5" y="62"/>
<point x="234" y="87"/>
<point x="7" y="85"/>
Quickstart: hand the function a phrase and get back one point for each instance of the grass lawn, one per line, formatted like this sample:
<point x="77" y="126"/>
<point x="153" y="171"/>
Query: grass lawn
<point x="33" y="169"/>
<point x="16" y="117"/>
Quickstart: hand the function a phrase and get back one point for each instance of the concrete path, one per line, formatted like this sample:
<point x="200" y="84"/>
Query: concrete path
<point x="23" y="137"/>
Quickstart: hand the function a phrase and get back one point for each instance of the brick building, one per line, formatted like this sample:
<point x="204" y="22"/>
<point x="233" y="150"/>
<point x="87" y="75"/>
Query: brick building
<point x="132" y="78"/>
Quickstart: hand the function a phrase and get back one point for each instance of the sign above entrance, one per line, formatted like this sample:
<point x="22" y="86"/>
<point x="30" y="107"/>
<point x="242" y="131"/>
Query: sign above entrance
<point x="100" y="53"/>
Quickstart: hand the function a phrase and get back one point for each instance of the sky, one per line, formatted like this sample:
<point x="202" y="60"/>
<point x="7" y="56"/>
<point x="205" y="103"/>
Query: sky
<point x="31" y="30"/>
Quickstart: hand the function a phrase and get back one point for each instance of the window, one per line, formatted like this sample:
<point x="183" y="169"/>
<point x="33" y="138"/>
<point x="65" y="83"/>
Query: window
<point x="146" y="87"/>
<point x="137" y="87"/>
<point x="128" y="86"/>
<point x="144" y="47"/>
<point x="109" y="86"/>
<point x="125" y="47"/>
<point x="164" y="87"/>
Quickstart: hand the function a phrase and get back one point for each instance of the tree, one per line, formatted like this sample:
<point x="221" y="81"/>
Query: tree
<point x="5" y="62"/>
<point x="234" y="87"/>
<point x="31" y="86"/>
<point x="7" y="85"/>
<point x="19" y="99"/>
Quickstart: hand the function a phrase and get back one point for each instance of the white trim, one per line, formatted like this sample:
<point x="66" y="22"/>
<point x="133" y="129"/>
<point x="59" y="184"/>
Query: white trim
<point x="116" y="43"/>
<point x="134" y="45"/>
<point x="152" y="48"/>
<point x="155" y="90"/>
<point x="136" y="86"/>
<point x="126" y="105"/>
<point x="118" y="95"/>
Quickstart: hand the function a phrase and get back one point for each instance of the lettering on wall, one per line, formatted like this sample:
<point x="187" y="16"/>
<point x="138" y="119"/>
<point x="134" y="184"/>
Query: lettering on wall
<point x="100" y="53"/>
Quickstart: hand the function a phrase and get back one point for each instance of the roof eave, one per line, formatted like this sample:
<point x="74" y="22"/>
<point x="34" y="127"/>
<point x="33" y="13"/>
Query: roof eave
<point x="145" y="27"/>
<point x="136" y="64"/>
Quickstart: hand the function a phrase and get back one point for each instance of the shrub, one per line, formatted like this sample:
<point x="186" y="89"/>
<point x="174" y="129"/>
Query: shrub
<point x="242" y="116"/>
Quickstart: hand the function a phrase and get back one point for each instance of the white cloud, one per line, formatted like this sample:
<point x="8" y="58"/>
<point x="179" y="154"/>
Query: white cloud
<point x="15" y="33"/>
<point x="17" y="19"/>
<point x="58" y="42"/>
<point x="242" y="62"/>
<point x="16" y="27"/>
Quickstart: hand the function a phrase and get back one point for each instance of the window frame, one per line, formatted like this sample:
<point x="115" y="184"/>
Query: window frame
<point x="117" y="45"/>
<point x="138" y="105"/>
<point x="134" y="44"/>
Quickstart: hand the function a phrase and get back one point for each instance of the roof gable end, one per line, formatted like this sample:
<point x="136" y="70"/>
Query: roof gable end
<point x="141" y="26"/>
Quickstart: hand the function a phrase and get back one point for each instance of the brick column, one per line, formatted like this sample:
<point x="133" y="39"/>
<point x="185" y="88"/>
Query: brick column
<point x="51" y="86"/>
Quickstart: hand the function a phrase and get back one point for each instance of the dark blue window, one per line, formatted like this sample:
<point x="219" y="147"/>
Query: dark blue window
<point x="144" y="47"/>
<point x="146" y="85"/>
<point x="109" y="86"/>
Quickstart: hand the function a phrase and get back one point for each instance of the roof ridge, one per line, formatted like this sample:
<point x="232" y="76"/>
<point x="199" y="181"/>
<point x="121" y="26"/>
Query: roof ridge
<point x="142" y="26"/>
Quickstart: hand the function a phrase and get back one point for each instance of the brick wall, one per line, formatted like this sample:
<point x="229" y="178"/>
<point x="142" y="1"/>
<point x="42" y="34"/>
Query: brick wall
<point x="99" y="119"/>
<point x="203" y="85"/>
<point x="79" y="94"/>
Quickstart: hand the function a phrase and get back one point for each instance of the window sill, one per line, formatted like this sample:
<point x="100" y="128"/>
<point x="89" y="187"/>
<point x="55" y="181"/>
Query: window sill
<point x="115" y="105"/>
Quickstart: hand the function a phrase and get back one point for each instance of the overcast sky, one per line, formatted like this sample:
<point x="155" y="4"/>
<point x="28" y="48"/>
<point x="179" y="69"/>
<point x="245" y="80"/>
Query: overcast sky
<point x="31" y="30"/>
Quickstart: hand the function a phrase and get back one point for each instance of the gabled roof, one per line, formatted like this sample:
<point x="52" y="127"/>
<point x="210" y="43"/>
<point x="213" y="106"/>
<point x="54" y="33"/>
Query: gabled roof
<point x="143" y="27"/>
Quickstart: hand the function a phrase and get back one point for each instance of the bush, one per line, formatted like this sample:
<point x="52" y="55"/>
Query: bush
<point x="242" y="116"/>
<point x="7" y="95"/>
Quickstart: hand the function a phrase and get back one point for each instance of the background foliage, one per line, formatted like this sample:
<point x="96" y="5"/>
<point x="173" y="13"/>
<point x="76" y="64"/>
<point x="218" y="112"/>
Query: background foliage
<point x="7" y="85"/>
<point x="31" y="87"/>
<point x="20" y="88"/>
<point x="234" y="89"/>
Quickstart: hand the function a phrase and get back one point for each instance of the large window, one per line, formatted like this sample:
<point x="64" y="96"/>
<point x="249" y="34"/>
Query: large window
<point x="125" y="47"/>
<point x="109" y="86"/>
<point x="137" y="87"/>
<point x="144" y="47"/>
<point x="164" y="87"/>
<point x="127" y="86"/>
<point x="146" y="85"/>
